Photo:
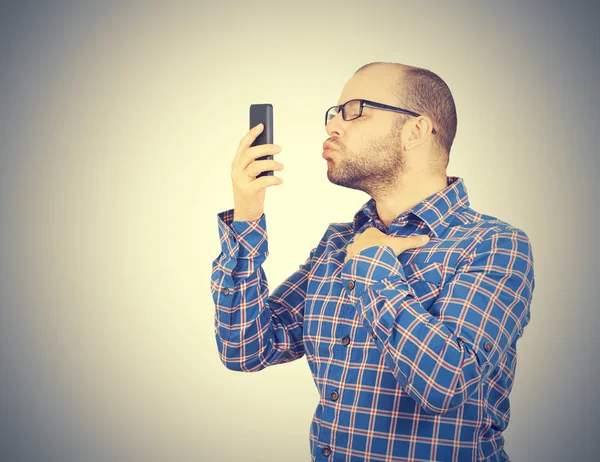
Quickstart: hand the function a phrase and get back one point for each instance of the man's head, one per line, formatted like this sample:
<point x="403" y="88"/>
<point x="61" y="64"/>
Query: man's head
<point x="371" y="153"/>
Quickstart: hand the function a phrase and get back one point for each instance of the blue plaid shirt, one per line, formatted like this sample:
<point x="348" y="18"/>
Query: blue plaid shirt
<point x="414" y="355"/>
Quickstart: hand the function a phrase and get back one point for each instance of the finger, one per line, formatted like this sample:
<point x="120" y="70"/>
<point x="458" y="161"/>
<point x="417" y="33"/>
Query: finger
<point x="262" y="150"/>
<point x="415" y="241"/>
<point x="265" y="182"/>
<point x="250" y="154"/>
<point x="259" y="166"/>
<point x="249" y="138"/>
<point x="372" y="230"/>
<point x="400" y="244"/>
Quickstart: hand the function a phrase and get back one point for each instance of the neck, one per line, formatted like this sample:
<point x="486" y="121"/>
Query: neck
<point x="411" y="190"/>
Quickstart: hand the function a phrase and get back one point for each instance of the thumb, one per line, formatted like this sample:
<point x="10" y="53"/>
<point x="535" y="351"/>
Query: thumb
<point x="411" y="242"/>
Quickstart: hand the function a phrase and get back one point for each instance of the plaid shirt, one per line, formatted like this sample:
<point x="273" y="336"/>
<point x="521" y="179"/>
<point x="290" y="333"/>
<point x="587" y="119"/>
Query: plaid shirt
<point x="414" y="355"/>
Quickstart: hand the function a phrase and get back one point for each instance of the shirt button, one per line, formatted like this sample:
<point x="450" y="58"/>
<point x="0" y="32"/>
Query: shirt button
<point x="487" y="346"/>
<point x="334" y="395"/>
<point x="345" y="340"/>
<point x="226" y="291"/>
<point x="350" y="285"/>
<point x="326" y="451"/>
<point x="373" y="335"/>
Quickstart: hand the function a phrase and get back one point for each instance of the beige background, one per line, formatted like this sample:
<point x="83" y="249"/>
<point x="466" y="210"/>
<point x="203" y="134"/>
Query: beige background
<point x="117" y="130"/>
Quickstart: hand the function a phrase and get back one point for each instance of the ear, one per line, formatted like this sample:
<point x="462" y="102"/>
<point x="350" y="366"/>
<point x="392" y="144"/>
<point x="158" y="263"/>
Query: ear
<point x="418" y="130"/>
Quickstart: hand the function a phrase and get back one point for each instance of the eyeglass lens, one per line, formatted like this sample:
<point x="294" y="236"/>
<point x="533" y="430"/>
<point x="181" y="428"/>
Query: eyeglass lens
<point x="331" y="113"/>
<point x="351" y="111"/>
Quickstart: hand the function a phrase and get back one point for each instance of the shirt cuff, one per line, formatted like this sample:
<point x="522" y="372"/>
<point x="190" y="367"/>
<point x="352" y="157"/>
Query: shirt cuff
<point x="243" y="239"/>
<point x="373" y="273"/>
<point x="368" y="267"/>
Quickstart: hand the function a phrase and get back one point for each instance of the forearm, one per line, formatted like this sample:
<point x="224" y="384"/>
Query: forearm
<point x="437" y="369"/>
<point x="442" y="354"/>
<point x="241" y="318"/>
<point x="252" y="329"/>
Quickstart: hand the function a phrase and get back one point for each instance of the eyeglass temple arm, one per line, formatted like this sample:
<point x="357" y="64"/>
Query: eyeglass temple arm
<point x="396" y="109"/>
<point x="363" y="103"/>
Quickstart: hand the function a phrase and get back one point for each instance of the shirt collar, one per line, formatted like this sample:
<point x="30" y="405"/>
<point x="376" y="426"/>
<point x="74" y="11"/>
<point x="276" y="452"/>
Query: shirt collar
<point x="435" y="211"/>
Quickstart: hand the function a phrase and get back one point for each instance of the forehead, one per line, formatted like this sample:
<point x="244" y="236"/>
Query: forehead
<point x="376" y="83"/>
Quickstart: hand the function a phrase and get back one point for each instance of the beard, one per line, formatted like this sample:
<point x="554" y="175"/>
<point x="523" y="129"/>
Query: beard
<point x="375" y="169"/>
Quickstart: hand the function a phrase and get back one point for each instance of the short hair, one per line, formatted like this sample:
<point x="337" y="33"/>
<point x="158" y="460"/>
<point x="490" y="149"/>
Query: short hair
<point x="424" y="92"/>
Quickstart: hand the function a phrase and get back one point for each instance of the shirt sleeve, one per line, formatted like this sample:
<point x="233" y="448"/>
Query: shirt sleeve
<point x="441" y="356"/>
<point x="253" y="329"/>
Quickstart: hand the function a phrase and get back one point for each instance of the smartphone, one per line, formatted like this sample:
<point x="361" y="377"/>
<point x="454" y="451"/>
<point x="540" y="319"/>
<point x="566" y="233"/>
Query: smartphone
<point x="263" y="113"/>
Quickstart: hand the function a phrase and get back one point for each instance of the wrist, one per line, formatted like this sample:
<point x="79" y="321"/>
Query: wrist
<point x="246" y="216"/>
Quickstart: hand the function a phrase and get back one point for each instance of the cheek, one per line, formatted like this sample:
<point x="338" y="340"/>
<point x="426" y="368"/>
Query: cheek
<point x="355" y="143"/>
<point x="365" y="138"/>
<point x="372" y="137"/>
<point x="365" y="144"/>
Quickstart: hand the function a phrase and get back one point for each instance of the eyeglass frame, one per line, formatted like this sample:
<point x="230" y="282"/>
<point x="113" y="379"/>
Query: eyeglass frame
<point x="365" y="102"/>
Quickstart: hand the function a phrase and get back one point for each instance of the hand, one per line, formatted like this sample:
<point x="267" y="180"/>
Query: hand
<point x="248" y="190"/>
<point x="373" y="237"/>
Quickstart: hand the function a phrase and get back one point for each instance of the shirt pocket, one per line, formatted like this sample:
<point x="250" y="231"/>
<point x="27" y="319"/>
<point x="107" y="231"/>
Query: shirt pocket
<point x="423" y="271"/>
<point x="425" y="280"/>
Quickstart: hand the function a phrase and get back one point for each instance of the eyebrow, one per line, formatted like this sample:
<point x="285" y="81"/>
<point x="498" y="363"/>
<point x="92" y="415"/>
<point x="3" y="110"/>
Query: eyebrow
<point x="349" y="99"/>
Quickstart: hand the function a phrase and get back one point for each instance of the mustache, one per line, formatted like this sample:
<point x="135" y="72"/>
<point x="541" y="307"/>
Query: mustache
<point x="334" y="144"/>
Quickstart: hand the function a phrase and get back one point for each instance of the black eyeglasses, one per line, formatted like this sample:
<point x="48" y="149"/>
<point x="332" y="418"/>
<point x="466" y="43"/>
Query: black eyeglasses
<point x="353" y="110"/>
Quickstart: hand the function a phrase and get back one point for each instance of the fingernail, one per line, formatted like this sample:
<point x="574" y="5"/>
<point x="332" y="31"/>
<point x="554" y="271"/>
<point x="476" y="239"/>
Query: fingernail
<point x="425" y="238"/>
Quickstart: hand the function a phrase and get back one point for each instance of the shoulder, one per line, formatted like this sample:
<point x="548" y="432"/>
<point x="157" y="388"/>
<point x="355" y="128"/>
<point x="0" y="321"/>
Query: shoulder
<point x="486" y="227"/>
<point x="496" y="243"/>
<point x="338" y="234"/>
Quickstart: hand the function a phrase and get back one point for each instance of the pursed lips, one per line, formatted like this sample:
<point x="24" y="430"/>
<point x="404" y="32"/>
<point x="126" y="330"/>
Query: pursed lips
<point x="326" y="148"/>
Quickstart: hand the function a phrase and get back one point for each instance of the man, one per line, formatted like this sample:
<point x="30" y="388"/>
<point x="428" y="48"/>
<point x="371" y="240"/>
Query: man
<point x="411" y="343"/>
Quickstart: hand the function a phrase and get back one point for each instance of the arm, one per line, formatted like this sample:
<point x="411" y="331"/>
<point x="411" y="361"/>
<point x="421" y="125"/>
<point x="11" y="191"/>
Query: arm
<point x="441" y="356"/>
<point x="254" y="329"/>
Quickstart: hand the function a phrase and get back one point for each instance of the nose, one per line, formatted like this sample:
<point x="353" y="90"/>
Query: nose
<point x="334" y="125"/>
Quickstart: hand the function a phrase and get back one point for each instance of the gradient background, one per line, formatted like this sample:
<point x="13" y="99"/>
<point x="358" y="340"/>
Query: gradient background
<point x="118" y="125"/>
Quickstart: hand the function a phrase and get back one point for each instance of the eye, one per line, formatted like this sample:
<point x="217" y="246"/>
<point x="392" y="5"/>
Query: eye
<point x="353" y="108"/>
